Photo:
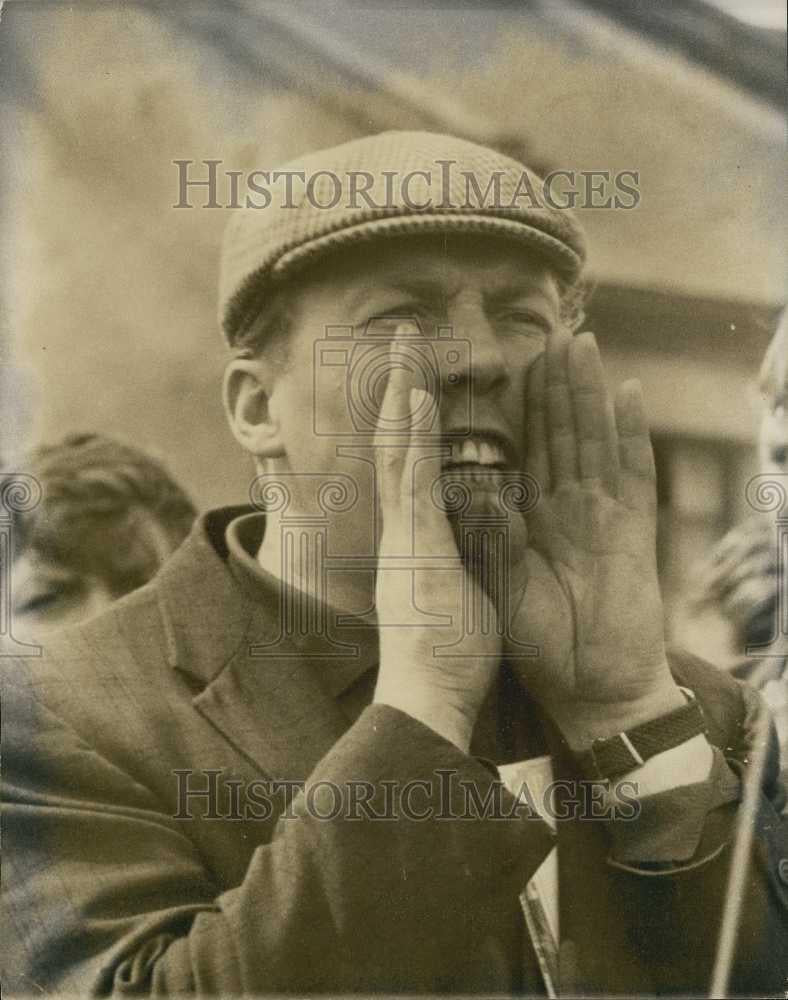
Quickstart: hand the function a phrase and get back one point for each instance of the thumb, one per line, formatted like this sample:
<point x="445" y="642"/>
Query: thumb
<point x="420" y="486"/>
<point x="393" y="436"/>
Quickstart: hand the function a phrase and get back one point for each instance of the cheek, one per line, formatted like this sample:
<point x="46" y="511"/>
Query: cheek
<point x="521" y="353"/>
<point x="307" y="416"/>
<point x="316" y="382"/>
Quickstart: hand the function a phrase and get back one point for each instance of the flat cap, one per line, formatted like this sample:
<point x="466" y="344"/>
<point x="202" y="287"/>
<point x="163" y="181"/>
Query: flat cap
<point x="384" y="185"/>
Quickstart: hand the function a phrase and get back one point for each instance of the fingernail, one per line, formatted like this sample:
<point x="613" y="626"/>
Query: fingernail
<point x="632" y="388"/>
<point x="405" y="329"/>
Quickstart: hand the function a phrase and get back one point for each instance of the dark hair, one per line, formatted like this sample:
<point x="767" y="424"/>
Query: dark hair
<point x="107" y="508"/>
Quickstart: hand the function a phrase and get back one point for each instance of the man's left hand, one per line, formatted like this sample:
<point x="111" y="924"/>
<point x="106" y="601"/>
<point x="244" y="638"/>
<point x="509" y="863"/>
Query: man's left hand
<point x="592" y="602"/>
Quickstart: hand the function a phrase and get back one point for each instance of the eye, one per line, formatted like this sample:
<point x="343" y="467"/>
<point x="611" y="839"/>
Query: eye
<point x="39" y="602"/>
<point x="525" y="321"/>
<point x="50" y="599"/>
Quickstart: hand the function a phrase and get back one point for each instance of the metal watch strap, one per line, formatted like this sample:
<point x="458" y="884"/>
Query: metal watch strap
<point x="626" y="751"/>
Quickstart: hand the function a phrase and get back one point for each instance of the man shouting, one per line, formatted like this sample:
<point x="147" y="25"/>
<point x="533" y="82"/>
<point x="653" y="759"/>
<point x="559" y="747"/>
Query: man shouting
<point x="278" y="766"/>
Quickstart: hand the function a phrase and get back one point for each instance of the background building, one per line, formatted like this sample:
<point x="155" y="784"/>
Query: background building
<point x="109" y="291"/>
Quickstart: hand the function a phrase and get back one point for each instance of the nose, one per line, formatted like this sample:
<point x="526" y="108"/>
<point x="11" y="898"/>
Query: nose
<point x="482" y="363"/>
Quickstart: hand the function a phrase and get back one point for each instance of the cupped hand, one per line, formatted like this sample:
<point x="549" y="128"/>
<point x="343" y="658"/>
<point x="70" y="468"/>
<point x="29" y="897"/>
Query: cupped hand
<point x="592" y="602"/>
<point x="432" y="666"/>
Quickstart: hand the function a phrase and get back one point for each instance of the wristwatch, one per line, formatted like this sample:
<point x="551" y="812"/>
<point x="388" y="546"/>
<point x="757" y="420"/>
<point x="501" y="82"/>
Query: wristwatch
<point x="626" y="751"/>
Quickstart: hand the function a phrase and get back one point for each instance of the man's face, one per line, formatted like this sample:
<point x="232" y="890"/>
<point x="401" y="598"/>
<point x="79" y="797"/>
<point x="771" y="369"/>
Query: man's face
<point x="498" y="306"/>
<point x="79" y="562"/>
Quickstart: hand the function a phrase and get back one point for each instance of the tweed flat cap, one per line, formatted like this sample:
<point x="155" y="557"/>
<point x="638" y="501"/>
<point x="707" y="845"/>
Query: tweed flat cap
<point x="383" y="185"/>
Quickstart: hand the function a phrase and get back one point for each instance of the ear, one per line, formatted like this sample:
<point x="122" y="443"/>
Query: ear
<point x="247" y="391"/>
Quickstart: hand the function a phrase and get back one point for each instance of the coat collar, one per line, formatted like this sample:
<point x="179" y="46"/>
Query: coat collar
<point x="214" y="598"/>
<point x="204" y="613"/>
<point x="267" y="693"/>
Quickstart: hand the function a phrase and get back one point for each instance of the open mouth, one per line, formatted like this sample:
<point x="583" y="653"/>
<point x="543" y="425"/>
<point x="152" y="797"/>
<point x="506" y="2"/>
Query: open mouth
<point x="484" y="451"/>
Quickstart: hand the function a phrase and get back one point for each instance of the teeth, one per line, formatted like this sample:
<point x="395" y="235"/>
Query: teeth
<point x="469" y="452"/>
<point x="476" y="452"/>
<point x="487" y="454"/>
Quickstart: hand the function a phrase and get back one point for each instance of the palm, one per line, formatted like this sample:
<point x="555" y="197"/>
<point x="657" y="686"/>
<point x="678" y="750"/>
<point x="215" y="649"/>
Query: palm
<point x="591" y="604"/>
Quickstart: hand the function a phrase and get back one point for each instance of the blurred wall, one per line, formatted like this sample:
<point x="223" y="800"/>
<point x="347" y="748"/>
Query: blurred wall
<point x="113" y="290"/>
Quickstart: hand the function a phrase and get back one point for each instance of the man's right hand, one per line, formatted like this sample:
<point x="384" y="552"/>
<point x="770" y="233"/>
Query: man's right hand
<point x="445" y="692"/>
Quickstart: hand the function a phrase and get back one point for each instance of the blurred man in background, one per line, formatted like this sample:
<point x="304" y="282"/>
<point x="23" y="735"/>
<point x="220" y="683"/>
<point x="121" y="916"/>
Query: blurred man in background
<point x="734" y="605"/>
<point x="109" y="517"/>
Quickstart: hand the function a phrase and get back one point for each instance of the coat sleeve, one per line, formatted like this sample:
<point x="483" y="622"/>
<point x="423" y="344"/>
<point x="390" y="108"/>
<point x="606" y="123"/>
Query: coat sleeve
<point x="105" y="895"/>
<point x="665" y="926"/>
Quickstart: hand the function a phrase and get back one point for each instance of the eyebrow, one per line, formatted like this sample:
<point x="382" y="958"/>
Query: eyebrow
<point x="417" y="288"/>
<point x="510" y="293"/>
<point x="424" y="288"/>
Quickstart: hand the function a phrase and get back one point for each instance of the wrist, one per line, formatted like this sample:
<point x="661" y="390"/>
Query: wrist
<point x="437" y="714"/>
<point x="581" y="723"/>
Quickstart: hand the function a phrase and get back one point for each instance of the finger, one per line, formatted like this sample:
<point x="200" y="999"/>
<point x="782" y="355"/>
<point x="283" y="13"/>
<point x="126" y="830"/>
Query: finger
<point x="562" y="446"/>
<point x="719" y="579"/>
<point x="751" y="595"/>
<point x="589" y="401"/>
<point x="395" y="415"/>
<point x="537" y="458"/>
<point x="637" y="484"/>
<point x="612" y="466"/>
<point x="739" y="543"/>
<point x="760" y="567"/>
<point x="423" y="470"/>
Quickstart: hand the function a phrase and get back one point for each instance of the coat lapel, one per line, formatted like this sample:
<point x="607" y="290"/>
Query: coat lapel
<point x="272" y="709"/>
